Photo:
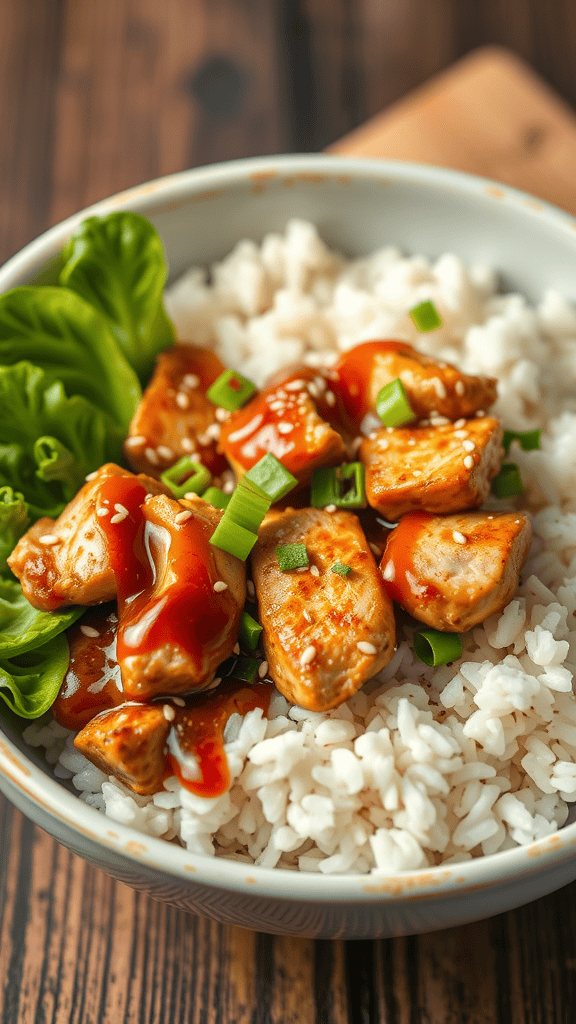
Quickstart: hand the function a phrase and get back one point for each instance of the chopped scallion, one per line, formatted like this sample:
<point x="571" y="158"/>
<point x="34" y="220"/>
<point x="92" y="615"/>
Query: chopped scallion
<point x="292" y="556"/>
<point x="425" y="317"/>
<point x="340" y="569"/>
<point x="508" y="483"/>
<point x="270" y="478"/>
<point x="392" y="404"/>
<point x="529" y="440"/>
<point x="247" y="508"/>
<point x="343" y="486"/>
<point x="245" y="670"/>
<point x="436" y="648"/>
<point x="186" y="477"/>
<point x="234" y="539"/>
<point x="231" y="390"/>
<point x="250" y="631"/>
<point x="215" y="497"/>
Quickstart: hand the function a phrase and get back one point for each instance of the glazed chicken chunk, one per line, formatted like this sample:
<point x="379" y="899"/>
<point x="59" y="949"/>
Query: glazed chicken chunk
<point x="432" y="469"/>
<point x="128" y="742"/>
<point x="283" y="419"/>
<point x="181" y="618"/>
<point x="452" y="572"/>
<point x="174" y="417"/>
<point x="92" y="682"/>
<point x="433" y="388"/>
<point x="66" y="560"/>
<point x="324" y="634"/>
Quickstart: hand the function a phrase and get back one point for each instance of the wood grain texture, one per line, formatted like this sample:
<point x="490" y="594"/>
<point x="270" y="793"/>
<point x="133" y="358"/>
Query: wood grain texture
<point x="99" y="96"/>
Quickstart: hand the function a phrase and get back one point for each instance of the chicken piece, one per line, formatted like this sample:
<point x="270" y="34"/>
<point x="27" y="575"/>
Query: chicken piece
<point x="92" y="682"/>
<point x="324" y="634"/>
<point x="433" y="469"/>
<point x="283" y="420"/>
<point x="174" y="417"/>
<point x="452" y="572"/>
<point x="66" y="560"/>
<point x="180" y="610"/>
<point x="432" y="388"/>
<point x="129" y="743"/>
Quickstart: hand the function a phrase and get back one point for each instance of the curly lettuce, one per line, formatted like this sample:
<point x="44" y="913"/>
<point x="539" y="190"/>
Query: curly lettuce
<point x="117" y="264"/>
<point x="22" y="627"/>
<point x="14" y="520"/>
<point x="29" y="683"/>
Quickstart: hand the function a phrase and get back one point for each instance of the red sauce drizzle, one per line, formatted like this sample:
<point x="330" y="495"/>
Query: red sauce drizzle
<point x="200" y="731"/>
<point x="407" y="584"/>
<point x="353" y="373"/>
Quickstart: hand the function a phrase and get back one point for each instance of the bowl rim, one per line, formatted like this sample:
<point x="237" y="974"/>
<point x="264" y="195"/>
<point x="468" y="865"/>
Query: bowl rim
<point x="48" y="795"/>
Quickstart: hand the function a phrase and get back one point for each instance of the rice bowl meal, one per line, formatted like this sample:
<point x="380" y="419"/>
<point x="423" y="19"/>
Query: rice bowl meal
<point x="397" y="765"/>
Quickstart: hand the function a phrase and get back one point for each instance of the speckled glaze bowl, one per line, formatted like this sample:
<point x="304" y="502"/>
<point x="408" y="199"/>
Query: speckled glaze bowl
<point x="357" y="205"/>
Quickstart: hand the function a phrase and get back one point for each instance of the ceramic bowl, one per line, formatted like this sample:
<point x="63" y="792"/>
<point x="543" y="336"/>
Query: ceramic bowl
<point x="358" y="206"/>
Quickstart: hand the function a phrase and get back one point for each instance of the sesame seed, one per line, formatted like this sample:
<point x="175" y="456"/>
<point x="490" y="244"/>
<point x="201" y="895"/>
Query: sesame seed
<point x="228" y="486"/>
<point x="182" y="517"/>
<point x="179" y="702"/>
<point x="151" y="455"/>
<point x="459" y="387"/>
<point x="190" y="380"/>
<point x="306" y="615"/>
<point x="366" y="647"/>
<point x="460" y="433"/>
<point x="480" y="413"/>
<point x="187" y="444"/>
<point x="302" y="410"/>
<point x="219" y="586"/>
<point x="285" y="428"/>
<point x="384" y="444"/>
<point x="295" y="385"/>
<point x="190" y="495"/>
<point x="263" y="669"/>
<point x="389" y="572"/>
<point x="168" y="712"/>
<point x="330" y="398"/>
<point x="320" y="383"/>
<point x="213" y="431"/>
<point x="490" y="517"/>
<point x="375" y="549"/>
<point x="460" y="423"/>
<point x="314" y="570"/>
<point x="182" y="400"/>
<point x="118" y="518"/>
<point x="121" y="508"/>
<point x="354" y="446"/>
<point x="411" y="441"/>
<point x="439" y="387"/>
<point x="458" y="537"/>
<point x="439" y="421"/>
<point x="215" y="682"/>
<point x="139" y="439"/>
<point x="49" y="539"/>
<point x="222" y="415"/>
<point x="307" y="656"/>
<point x="416" y="472"/>
<point x="277" y="405"/>
<point x="468" y="446"/>
<point x="250" y="588"/>
<point x="89" y="631"/>
<point x="91" y="476"/>
<point x="236" y="649"/>
<point x="313" y="390"/>
<point x="102" y="511"/>
<point x="469" y="462"/>
<point x="330" y="508"/>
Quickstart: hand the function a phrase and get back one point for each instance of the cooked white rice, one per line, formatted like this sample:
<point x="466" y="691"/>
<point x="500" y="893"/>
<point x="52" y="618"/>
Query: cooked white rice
<point x="421" y="767"/>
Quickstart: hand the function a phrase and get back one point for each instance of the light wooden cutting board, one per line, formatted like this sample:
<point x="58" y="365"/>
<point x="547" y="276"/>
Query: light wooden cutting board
<point x="489" y="114"/>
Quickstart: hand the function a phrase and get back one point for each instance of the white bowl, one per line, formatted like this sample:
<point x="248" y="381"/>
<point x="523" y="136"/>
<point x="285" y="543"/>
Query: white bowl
<point x="357" y="206"/>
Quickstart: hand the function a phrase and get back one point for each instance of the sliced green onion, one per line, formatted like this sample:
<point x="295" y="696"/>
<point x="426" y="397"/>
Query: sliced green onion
<point x="343" y="486"/>
<point x="508" y="483"/>
<point x="234" y="539"/>
<point x="340" y="569"/>
<point x="392" y="404"/>
<point x="186" y="477"/>
<point x="529" y="440"/>
<point x="231" y="390"/>
<point x="247" y="508"/>
<point x="425" y="317"/>
<point x="292" y="556"/>
<point x="215" y="497"/>
<point x="249" y="631"/>
<point x="436" y="648"/>
<point x="245" y="669"/>
<point x="270" y="478"/>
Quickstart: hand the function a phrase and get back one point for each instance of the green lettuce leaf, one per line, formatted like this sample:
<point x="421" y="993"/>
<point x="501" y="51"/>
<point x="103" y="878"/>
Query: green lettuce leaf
<point x="117" y="264"/>
<point x="49" y="442"/>
<point x="61" y="333"/>
<point x="22" y="627"/>
<point x="14" y="520"/>
<point x="29" y="682"/>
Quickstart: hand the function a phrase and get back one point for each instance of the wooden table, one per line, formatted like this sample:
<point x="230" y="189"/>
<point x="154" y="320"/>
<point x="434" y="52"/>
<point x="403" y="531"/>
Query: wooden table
<point x="97" y="95"/>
